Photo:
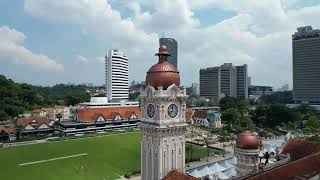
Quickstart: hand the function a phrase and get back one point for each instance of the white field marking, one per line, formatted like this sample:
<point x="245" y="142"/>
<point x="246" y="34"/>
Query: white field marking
<point x="53" y="159"/>
<point x="77" y="139"/>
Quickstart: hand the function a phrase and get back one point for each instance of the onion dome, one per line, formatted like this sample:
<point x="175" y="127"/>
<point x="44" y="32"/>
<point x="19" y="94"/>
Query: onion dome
<point x="163" y="73"/>
<point x="247" y="140"/>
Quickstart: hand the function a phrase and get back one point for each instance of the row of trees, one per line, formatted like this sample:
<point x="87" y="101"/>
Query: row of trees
<point x="240" y="114"/>
<point x="201" y="102"/>
<point x="15" y="98"/>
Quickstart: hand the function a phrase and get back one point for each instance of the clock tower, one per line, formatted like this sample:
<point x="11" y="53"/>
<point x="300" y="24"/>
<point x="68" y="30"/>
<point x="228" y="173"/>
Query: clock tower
<point x="163" y="123"/>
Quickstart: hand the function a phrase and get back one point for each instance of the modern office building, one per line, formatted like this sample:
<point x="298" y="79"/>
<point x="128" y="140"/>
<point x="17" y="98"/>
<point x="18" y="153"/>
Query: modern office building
<point x="117" y="71"/>
<point x="195" y="91"/>
<point x="209" y="82"/>
<point x="306" y="65"/>
<point x="249" y="81"/>
<point x="255" y="92"/>
<point x="284" y="88"/>
<point x="172" y="46"/>
<point x="225" y="80"/>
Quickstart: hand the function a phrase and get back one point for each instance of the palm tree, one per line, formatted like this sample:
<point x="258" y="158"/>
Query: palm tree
<point x="207" y="144"/>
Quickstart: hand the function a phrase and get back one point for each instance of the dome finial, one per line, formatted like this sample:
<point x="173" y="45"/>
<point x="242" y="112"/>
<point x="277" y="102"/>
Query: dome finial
<point x="163" y="53"/>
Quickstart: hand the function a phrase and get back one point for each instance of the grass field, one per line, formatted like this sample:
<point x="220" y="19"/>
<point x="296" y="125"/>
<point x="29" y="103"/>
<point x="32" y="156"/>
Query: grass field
<point x="95" y="158"/>
<point x="195" y="152"/>
<point x="98" y="158"/>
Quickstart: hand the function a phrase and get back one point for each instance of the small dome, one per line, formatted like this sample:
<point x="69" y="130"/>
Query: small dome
<point x="163" y="73"/>
<point x="247" y="140"/>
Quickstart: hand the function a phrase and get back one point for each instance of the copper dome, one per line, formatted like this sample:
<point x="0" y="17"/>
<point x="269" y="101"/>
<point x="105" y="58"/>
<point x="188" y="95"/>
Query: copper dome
<point x="163" y="73"/>
<point x="247" y="140"/>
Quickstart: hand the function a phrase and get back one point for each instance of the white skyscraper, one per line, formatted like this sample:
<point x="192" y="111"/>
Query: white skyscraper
<point x="117" y="71"/>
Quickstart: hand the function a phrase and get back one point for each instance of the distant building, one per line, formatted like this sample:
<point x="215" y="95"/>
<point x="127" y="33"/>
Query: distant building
<point x="210" y="119"/>
<point x="99" y="119"/>
<point x="306" y="65"/>
<point x="284" y="88"/>
<point x="51" y="112"/>
<point x="103" y="102"/>
<point x="255" y="92"/>
<point x="225" y="80"/>
<point x="38" y="113"/>
<point x="125" y="113"/>
<point x="195" y="89"/>
<point x="117" y="72"/>
<point x="133" y="83"/>
<point x="95" y="91"/>
<point x="7" y="133"/>
<point x="34" y="125"/>
<point x="249" y="81"/>
<point x="172" y="46"/>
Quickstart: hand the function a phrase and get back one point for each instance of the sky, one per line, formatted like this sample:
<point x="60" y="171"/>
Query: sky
<point x="45" y="42"/>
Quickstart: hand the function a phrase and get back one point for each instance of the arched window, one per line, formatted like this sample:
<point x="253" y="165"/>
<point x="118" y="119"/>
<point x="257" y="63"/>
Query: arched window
<point x="164" y="162"/>
<point x="172" y="159"/>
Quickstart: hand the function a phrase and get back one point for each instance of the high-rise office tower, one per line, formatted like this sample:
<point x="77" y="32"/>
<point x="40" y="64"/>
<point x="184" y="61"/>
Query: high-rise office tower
<point x="225" y="80"/>
<point x="209" y="82"/>
<point x="195" y="89"/>
<point x="172" y="46"/>
<point x="306" y="65"/>
<point x="117" y="71"/>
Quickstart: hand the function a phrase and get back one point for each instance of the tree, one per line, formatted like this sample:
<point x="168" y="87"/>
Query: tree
<point x="134" y="96"/>
<point x="313" y="124"/>
<point x="246" y="123"/>
<point x="285" y="97"/>
<point x="75" y="97"/>
<point x="208" y="150"/>
<point x="3" y="116"/>
<point x="231" y="116"/>
<point x="228" y="102"/>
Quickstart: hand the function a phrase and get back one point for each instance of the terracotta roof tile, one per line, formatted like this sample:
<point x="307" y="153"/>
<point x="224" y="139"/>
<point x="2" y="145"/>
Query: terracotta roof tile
<point x="189" y="116"/>
<point x="304" y="168"/>
<point x="109" y="113"/>
<point x="298" y="148"/>
<point x="23" y="122"/>
<point x="176" y="175"/>
<point x="37" y="110"/>
<point x="304" y="162"/>
<point x="201" y="114"/>
<point x="9" y="130"/>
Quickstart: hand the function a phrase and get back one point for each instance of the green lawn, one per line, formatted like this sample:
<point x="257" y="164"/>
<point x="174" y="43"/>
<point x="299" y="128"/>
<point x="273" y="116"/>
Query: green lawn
<point x="108" y="158"/>
<point x="195" y="152"/>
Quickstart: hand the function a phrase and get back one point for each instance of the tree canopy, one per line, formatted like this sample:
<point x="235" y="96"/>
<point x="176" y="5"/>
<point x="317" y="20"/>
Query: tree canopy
<point x="15" y="98"/>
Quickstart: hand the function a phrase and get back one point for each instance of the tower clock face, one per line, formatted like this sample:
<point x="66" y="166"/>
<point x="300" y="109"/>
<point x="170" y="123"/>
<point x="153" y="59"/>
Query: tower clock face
<point x="172" y="110"/>
<point x="150" y="110"/>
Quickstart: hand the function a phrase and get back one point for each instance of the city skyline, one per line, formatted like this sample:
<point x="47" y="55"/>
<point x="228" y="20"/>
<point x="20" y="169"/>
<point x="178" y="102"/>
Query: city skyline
<point x="70" y="46"/>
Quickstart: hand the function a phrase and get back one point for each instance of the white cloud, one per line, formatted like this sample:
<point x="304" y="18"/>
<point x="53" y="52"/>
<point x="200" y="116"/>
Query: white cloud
<point x="85" y="60"/>
<point x="259" y="34"/>
<point x="81" y="59"/>
<point x="12" y="49"/>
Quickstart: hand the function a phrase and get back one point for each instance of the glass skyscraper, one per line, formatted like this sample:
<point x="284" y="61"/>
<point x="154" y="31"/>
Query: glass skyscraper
<point x="172" y="46"/>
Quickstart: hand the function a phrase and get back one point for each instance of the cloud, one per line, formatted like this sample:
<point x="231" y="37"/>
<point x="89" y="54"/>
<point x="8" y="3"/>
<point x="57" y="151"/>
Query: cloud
<point x="86" y="60"/>
<point x="259" y="34"/>
<point x="12" y="49"/>
<point x="82" y="59"/>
